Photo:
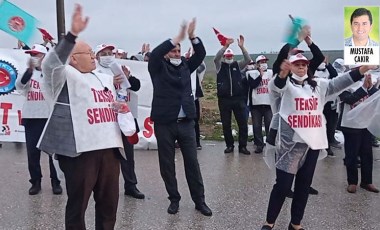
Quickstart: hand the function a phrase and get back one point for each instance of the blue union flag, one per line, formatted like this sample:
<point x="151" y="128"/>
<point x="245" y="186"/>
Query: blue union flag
<point x="17" y="22"/>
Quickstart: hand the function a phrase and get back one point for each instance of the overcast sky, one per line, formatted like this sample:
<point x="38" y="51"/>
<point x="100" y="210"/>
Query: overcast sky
<point x="128" y="24"/>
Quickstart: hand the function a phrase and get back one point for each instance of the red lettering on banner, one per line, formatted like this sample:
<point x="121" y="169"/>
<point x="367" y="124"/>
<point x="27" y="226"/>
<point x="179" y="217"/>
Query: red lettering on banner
<point x="102" y="95"/>
<point x="306" y="103"/>
<point x="34" y="84"/>
<point x="19" y="117"/>
<point x="35" y="96"/>
<point x="264" y="82"/>
<point x="101" y="115"/>
<point x="148" y="125"/>
<point x="305" y="121"/>
<point x="117" y="86"/>
<point x="6" y="107"/>
<point x="262" y="90"/>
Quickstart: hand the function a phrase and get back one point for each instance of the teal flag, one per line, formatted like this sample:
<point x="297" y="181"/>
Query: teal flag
<point x="293" y="31"/>
<point x="17" y="22"/>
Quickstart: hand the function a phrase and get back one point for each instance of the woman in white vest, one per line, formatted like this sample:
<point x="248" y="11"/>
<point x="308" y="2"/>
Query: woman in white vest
<point x="259" y="99"/>
<point x="35" y="113"/>
<point x="302" y="132"/>
<point x="357" y="141"/>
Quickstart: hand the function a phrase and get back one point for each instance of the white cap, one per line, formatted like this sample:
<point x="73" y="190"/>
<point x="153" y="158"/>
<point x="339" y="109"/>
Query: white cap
<point x="260" y="58"/>
<point x="118" y="51"/>
<point x="228" y="53"/>
<point x="298" y="57"/>
<point x="102" y="47"/>
<point x="340" y="61"/>
<point x="37" y="49"/>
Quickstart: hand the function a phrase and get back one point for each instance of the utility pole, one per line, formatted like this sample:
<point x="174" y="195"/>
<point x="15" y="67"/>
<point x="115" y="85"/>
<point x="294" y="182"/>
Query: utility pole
<point x="60" y="19"/>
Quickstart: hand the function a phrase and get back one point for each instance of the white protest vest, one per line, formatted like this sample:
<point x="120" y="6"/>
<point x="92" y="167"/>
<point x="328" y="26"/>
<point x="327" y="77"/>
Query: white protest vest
<point x="347" y="107"/>
<point x="260" y="95"/>
<point x="132" y="97"/>
<point x="322" y="74"/>
<point x="303" y="110"/>
<point x="193" y="78"/>
<point x="35" y="105"/>
<point x="94" y="121"/>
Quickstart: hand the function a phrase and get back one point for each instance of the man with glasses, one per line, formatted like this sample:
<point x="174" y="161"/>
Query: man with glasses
<point x="86" y="143"/>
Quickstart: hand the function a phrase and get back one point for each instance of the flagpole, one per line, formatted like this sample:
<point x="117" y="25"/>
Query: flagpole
<point x="60" y="18"/>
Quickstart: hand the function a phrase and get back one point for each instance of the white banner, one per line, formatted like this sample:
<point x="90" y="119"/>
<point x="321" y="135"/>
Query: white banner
<point x="11" y="104"/>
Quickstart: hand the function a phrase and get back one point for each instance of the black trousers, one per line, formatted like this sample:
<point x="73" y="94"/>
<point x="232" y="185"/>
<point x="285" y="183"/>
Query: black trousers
<point x="358" y="143"/>
<point x="260" y="112"/>
<point x="331" y="121"/>
<point x="98" y="172"/>
<point x="238" y="107"/>
<point x="284" y="181"/>
<point x="184" y="133"/>
<point x="197" y="130"/>
<point x="128" y="165"/>
<point x="33" y="131"/>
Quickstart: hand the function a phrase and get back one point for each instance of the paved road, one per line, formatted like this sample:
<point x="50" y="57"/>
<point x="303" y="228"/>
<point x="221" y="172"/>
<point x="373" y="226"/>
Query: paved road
<point x="237" y="190"/>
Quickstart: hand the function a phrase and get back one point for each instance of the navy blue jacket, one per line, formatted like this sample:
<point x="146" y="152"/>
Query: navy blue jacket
<point x="172" y="84"/>
<point x="229" y="81"/>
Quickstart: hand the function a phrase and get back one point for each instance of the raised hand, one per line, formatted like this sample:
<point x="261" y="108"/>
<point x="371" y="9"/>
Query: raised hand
<point x="78" y="23"/>
<point x="191" y="28"/>
<point x="182" y="33"/>
<point x="241" y="41"/>
<point x="285" y="69"/>
<point x="367" y="81"/>
<point x="126" y="70"/>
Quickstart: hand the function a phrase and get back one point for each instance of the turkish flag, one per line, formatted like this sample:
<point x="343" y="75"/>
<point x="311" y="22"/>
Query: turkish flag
<point x="222" y="39"/>
<point x="45" y="34"/>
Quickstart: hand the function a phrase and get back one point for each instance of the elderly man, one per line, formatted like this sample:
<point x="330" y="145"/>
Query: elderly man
<point x="76" y="130"/>
<point x="231" y="94"/>
<point x="173" y="113"/>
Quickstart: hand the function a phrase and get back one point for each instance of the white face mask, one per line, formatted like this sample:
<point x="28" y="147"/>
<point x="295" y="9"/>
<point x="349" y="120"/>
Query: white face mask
<point x="264" y="66"/>
<point x="175" y="61"/>
<point x="228" y="61"/>
<point x="106" y="61"/>
<point x="298" y="78"/>
<point x="36" y="61"/>
<point x="250" y="67"/>
<point x="322" y="66"/>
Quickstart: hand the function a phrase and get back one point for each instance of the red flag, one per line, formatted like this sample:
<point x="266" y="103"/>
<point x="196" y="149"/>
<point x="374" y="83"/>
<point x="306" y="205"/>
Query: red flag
<point x="134" y="139"/>
<point x="222" y="39"/>
<point x="45" y="34"/>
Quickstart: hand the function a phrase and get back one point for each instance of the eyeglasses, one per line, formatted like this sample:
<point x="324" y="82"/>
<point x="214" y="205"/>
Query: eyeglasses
<point x="92" y="53"/>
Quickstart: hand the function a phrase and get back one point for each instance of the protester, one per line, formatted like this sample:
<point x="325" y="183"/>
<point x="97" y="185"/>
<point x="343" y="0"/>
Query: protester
<point x="357" y="142"/>
<point x="35" y="113"/>
<point x="173" y="114"/>
<point x="259" y="100"/>
<point x="326" y="70"/>
<point x="286" y="51"/>
<point x="231" y="94"/>
<point x="87" y="145"/>
<point x="302" y="132"/>
<point x="105" y="59"/>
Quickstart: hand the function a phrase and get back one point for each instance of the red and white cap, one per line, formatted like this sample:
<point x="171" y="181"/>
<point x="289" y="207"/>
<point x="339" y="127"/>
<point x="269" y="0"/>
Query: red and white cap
<point x="37" y="49"/>
<point x="260" y="58"/>
<point x="298" y="58"/>
<point x="228" y="53"/>
<point x="101" y="47"/>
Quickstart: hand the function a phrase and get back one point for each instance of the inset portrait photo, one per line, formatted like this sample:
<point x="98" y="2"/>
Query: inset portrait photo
<point x="361" y="35"/>
<point x="361" y="26"/>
